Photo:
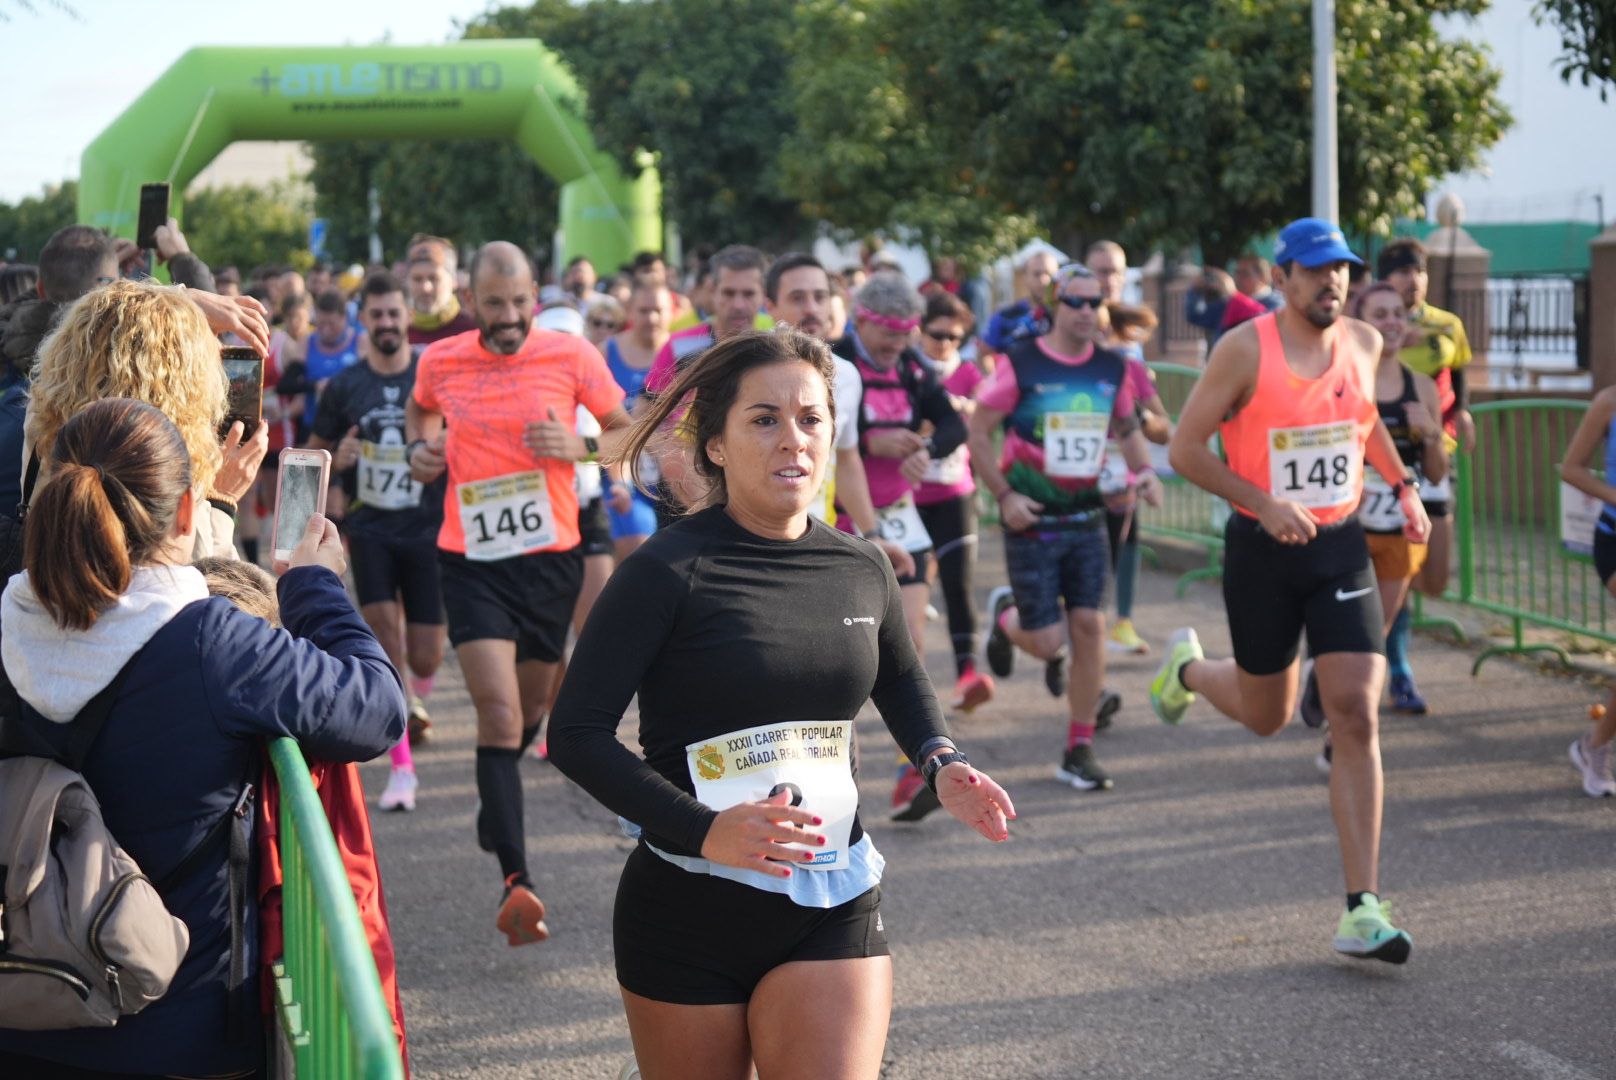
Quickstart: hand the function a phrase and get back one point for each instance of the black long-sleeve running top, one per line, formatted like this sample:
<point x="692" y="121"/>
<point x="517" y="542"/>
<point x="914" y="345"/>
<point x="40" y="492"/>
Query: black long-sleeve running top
<point x="720" y="630"/>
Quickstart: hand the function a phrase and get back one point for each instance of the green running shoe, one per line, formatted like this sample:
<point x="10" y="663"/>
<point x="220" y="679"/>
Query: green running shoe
<point x="1366" y="933"/>
<point x="1167" y="693"/>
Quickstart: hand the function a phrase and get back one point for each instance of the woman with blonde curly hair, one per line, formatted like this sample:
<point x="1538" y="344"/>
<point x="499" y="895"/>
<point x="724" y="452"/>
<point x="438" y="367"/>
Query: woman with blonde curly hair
<point x="150" y="343"/>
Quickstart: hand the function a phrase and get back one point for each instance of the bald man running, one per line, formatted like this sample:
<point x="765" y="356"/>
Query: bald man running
<point x="509" y="394"/>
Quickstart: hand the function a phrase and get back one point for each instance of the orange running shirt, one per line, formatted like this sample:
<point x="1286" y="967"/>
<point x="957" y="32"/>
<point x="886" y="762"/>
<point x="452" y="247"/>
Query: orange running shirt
<point x="1303" y="439"/>
<point x="488" y="400"/>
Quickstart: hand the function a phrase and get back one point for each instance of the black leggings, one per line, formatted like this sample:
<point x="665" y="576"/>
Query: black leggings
<point x="952" y="525"/>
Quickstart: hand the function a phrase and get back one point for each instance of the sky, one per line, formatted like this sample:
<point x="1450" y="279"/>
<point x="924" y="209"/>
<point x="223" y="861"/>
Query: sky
<point x="70" y="78"/>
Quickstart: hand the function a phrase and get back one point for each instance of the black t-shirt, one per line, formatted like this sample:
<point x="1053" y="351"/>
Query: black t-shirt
<point x="360" y="397"/>
<point x="719" y="630"/>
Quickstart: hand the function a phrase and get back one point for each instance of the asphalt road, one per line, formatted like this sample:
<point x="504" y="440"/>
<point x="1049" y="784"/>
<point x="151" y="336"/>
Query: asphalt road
<point x="1177" y="926"/>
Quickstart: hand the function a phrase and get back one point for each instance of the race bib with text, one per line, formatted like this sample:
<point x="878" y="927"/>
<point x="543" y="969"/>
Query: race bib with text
<point x="900" y="522"/>
<point x="811" y="760"/>
<point x="384" y="478"/>
<point x="506" y="516"/>
<point x="1074" y="444"/>
<point x="1317" y="465"/>
<point x="1380" y="511"/>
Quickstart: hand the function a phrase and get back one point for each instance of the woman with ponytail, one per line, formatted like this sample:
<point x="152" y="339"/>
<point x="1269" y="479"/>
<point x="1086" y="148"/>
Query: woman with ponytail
<point x="108" y="599"/>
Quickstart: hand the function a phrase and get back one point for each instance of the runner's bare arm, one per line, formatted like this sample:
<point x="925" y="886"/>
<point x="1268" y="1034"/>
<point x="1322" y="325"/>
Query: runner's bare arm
<point x="1136" y="452"/>
<point x="853" y="493"/>
<point x="1016" y="510"/>
<point x="613" y="430"/>
<point x="979" y="437"/>
<point x="421" y="423"/>
<point x="427" y="462"/>
<point x="1592" y="431"/>
<point x="1222" y="390"/>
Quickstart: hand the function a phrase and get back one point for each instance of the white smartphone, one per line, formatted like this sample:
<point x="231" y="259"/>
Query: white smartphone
<point x="300" y="488"/>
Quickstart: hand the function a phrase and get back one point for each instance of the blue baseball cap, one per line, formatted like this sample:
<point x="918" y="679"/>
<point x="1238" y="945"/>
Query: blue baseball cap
<point x="1312" y="242"/>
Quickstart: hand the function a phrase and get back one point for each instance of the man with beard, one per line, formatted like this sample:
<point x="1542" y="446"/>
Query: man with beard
<point x="392" y="521"/>
<point x="797" y="292"/>
<point x="508" y="548"/>
<point x="1292" y="394"/>
<point x="737" y="298"/>
<point x="435" y="311"/>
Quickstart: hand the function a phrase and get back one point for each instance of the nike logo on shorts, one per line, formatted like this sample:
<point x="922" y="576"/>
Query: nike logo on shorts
<point x="1354" y="594"/>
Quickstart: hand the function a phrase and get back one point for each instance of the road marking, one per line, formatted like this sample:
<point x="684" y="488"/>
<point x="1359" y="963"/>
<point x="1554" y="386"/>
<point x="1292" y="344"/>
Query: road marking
<point x="1541" y="1063"/>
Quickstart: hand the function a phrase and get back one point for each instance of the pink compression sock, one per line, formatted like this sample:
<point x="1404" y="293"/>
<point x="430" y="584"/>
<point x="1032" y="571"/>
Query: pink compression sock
<point x="422" y="687"/>
<point x="1079" y="733"/>
<point x="400" y="755"/>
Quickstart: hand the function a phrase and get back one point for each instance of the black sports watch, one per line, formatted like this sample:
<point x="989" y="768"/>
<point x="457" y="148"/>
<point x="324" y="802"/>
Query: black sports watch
<point x="591" y="448"/>
<point x="934" y="765"/>
<point x="1409" y="480"/>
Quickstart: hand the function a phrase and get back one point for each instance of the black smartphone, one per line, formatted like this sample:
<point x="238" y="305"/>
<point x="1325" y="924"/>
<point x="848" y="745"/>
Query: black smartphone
<point x="245" y="370"/>
<point x="153" y="212"/>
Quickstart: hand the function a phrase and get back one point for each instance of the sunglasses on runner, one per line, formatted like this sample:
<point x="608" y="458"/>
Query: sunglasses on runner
<point x="1081" y="302"/>
<point x="943" y="335"/>
<point x="603" y="324"/>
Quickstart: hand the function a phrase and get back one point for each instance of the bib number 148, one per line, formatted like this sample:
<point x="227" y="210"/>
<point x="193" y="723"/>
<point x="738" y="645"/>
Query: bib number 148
<point x="1323" y="473"/>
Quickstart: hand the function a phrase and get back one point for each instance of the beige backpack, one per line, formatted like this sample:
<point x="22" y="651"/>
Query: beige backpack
<point x="84" y="935"/>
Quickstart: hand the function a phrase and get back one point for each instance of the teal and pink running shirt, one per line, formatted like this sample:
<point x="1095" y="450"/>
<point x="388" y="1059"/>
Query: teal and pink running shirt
<point x="1033" y="383"/>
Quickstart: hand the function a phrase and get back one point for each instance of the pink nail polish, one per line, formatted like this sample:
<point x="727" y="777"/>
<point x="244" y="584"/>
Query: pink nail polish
<point x="819" y="821"/>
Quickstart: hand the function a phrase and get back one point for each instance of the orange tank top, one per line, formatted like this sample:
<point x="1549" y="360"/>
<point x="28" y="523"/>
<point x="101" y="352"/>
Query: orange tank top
<point x="1303" y="439"/>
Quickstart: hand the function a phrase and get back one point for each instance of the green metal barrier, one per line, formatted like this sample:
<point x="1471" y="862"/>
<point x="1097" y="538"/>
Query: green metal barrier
<point x="1512" y="560"/>
<point x="328" y="995"/>
<point x="1187" y="513"/>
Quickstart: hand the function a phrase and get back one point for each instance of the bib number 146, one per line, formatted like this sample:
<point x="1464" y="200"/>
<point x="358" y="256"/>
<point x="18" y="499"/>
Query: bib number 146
<point x="506" y="516"/>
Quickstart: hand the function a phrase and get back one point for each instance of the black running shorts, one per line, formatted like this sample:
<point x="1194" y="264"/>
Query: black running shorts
<point x="594" y="528"/>
<point x="1605" y="551"/>
<point x="1274" y="591"/>
<point x="527" y="599"/>
<point x="388" y="570"/>
<point x="694" y="939"/>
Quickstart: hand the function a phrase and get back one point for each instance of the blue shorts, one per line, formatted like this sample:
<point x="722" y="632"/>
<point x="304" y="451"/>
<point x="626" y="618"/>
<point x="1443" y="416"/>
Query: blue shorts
<point x="1048" y="567"/>
<point x="639" y="521"/>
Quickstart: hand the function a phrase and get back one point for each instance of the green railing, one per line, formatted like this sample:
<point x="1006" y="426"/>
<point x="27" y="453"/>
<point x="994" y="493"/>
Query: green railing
<point x="1512" y="560"/>
<point x="1187" y="514"/>
<point x="328" y="995"/>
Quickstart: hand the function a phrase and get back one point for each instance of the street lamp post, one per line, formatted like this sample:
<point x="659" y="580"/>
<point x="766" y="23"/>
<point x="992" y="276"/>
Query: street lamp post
<point x="1326" y="173"/>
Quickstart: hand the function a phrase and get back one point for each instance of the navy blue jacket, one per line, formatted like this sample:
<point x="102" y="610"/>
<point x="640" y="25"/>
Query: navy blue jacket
<point x="186" y="732"/>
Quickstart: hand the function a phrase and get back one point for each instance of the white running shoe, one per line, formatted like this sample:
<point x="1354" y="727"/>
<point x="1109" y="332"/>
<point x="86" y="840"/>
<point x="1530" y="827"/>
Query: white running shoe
<point x="400" y="793"/>
<point x="1594" y="764"/>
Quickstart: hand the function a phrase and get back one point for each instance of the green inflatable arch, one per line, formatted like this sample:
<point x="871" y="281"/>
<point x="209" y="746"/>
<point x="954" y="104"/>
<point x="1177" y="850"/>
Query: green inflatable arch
<point x="515" y="90"/>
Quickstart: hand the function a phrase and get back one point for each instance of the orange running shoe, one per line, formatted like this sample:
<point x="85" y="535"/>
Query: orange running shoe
<point x="973" y="689"/>
<point x="521" y="914"/>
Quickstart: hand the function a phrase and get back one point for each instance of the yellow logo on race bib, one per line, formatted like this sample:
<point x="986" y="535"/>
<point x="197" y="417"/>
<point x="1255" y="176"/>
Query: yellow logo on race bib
<point x="709" y="762"/>
<point x="1281" y="441"/>
<point x="469" y="495"/>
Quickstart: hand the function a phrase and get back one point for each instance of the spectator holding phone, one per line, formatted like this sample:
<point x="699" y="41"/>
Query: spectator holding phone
<point x="148" y="342"/>
<point x="108" y="597"/>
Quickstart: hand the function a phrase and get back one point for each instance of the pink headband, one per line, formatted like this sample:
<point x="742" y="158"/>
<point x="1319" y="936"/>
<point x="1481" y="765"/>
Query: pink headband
<point x="902" y="326"/>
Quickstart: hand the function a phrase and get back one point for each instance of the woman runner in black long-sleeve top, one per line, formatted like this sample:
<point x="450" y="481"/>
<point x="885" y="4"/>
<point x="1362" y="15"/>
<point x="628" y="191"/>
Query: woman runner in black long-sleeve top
<point x="753" y="635"/>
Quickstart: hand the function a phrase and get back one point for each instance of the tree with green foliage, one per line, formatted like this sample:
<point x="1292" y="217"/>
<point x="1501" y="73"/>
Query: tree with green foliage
<point x="25" y="227"/>
<point x="470" y="191"/>
<point x="245" y="226"/>
<point x="1587" y="39"/>
<point x="700" y="83"/>
<point x="1157" y="122"/>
